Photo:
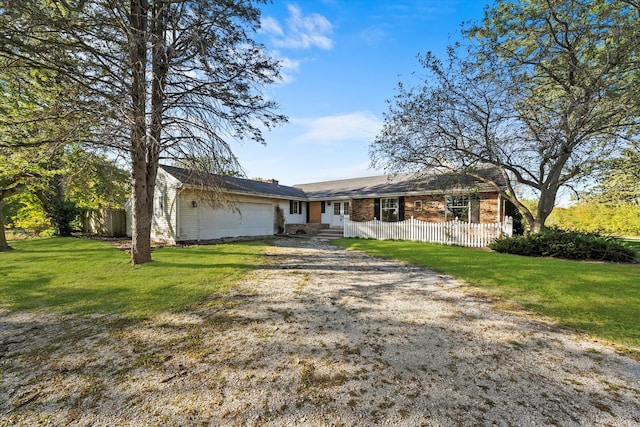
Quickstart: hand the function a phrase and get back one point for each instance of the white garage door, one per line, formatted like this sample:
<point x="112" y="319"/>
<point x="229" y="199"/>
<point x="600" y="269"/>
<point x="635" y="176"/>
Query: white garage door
<point x="250" y="219"/>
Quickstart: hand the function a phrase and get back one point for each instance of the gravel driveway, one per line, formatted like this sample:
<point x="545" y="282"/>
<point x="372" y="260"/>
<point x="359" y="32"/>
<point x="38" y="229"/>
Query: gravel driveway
<point x="318" y="336"/>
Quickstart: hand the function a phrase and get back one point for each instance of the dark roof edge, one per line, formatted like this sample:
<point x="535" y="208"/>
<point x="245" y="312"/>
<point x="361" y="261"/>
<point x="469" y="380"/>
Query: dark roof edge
<point x="460" y="190"/>
<point x="249" y="193"/>
<point x="233" y="185"/>
<point x="243" y="186"/>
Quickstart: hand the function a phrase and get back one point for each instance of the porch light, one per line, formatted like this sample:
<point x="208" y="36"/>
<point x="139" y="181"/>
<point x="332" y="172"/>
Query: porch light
<point x="194" y="204"/>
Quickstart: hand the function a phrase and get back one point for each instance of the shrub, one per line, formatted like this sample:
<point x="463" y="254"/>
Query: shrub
<point x="558" y="243"/>
<point x="63" y="215"/>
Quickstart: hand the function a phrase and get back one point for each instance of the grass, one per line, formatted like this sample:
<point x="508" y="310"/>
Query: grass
<point x="600" y="299"/>
<point x="79" y="276"/>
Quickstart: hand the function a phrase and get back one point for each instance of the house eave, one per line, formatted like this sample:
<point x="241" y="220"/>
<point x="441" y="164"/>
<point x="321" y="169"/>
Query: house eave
<point x="452" y="191"/>
<point x="184" y="186"/>
<point x="325" y="197"/>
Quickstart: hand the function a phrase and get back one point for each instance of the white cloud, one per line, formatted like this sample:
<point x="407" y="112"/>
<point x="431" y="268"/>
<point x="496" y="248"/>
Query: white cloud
<point x="288" y="68"/>
<point x="344" y="127"/>
<point x="270" y="26"/>
<point x="300" y="32"/>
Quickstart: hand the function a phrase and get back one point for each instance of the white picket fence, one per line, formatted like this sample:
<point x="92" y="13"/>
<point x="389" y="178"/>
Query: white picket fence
<point x="451" y="233"/>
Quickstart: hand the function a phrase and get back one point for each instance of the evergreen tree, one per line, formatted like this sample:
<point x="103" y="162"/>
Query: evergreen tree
<point x="165" y="78"/>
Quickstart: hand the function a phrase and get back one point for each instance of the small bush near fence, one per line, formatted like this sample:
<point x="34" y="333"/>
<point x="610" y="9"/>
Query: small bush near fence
<point x="558" y="243"/>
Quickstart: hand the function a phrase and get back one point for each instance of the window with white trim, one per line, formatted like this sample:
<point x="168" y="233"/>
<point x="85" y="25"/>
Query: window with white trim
<point x="417" y="206"/>
<point x="336" y="208"/>
<point x="464" y="208"/>
<point x="389" y="210"/>
<point x="345" y="208"/>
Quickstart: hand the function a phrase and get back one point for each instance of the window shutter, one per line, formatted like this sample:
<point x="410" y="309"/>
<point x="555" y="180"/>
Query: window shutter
<point x="290" y="206"/>
<point x="376" y="208"/>
<point x="401" y="208"/>
<point x="322" y="207"/>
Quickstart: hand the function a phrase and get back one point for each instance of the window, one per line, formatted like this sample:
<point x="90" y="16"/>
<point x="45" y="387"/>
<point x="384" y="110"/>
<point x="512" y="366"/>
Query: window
<point x="336" y="208"/>
<point x="464" y="208"/>
<point x="160" y="204"/>
<point x="295" y="207"/>
<point x="345" y="208"/>
<point x="389" y="210"/>
<point x="417" y="206"/>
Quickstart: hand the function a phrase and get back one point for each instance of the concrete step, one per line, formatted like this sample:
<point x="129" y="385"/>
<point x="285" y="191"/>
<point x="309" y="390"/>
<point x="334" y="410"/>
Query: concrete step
<point x="330" y="234"/>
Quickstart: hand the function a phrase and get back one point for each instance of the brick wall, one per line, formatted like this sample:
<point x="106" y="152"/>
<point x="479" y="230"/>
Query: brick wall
<point x="310" y="229"/>
<point x="432" y="208"/>
<point x="361" y="210"/>
<point x="489" y="208"/>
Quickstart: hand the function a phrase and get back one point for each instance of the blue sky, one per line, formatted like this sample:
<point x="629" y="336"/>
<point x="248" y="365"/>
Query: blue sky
<point x="342" y="60"/>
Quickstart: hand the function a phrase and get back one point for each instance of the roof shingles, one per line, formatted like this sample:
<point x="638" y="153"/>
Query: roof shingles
<point x="234" y="184"/>
<point x="374" y="186"/>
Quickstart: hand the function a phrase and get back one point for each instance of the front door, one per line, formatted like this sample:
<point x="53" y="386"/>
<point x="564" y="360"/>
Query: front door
<point x="340" y="210"/>
<point x="315" y="212"/>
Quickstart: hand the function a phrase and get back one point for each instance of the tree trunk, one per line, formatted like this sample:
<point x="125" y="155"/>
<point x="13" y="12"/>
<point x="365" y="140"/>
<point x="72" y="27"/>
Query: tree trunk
<point x="4" y="246"/>
<point x="537" y="226"/>
<point x="141" y="214"/>
<point x="545" y="206"/>
<point x="141" y="194"/>
<point x="63" y="212"/>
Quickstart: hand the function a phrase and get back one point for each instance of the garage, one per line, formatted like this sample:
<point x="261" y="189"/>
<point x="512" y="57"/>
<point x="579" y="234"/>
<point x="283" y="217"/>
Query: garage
<point x="249" y="219"/>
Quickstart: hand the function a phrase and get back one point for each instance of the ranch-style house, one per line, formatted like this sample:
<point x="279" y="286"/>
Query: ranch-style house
<point x="188" y="206"/>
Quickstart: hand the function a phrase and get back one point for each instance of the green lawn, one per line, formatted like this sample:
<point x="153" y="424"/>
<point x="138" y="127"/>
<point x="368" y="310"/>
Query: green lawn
<point x="597" y="298"/>
<point x="83" y="276"/>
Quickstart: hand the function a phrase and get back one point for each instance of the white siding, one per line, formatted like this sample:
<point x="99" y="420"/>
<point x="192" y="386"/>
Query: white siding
<point x="163" y="225"/>
<point x="188" y="218"/>
<point x="164" y="220"/>
<point x="297" y="218"/>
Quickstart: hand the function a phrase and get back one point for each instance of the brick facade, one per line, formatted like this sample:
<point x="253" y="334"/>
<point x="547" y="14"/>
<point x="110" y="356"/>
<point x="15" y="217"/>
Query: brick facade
<point x="433" y="208"/>
<point x="361" y="210"/>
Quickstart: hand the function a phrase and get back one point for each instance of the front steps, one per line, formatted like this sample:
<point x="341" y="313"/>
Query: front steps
<point x="330" y="233"/>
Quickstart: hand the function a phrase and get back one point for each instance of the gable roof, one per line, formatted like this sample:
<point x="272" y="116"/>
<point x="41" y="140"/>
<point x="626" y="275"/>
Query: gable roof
<point x="373" y="186"/>
<point x="234" y="184"/>
<point x="400" y="185"/>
